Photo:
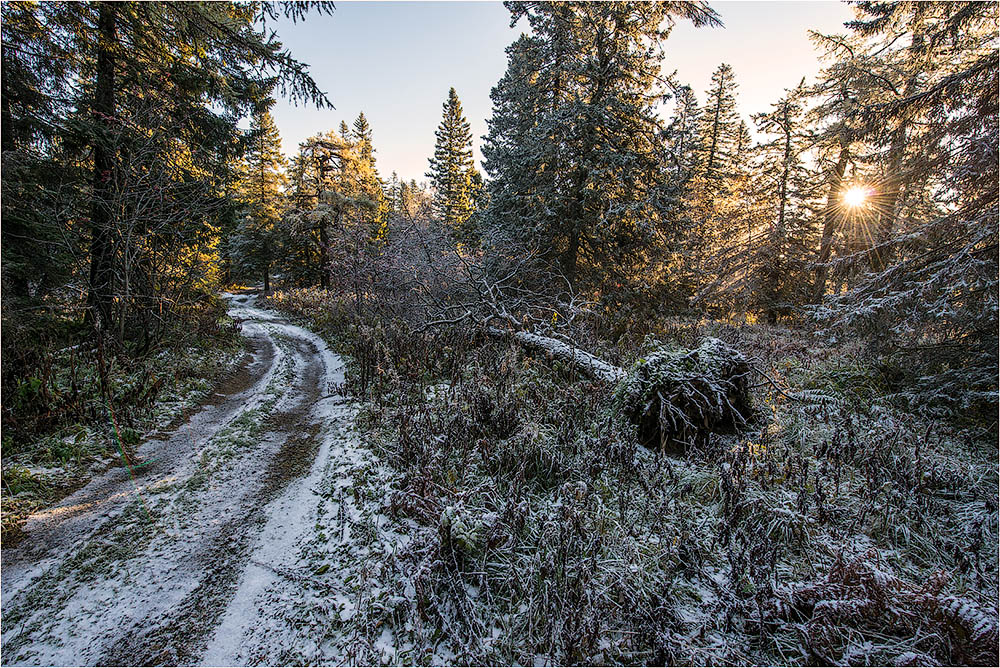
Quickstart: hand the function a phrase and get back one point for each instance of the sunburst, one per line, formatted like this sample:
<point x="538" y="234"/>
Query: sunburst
<point x="856" y="196"/>
<point x="859" y="209"/>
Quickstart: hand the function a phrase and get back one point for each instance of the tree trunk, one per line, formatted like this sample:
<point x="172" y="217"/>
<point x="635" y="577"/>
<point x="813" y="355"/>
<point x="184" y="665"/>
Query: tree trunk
<point x="324" y="257"/>
<point x="573" y="249"/>
<point x="774" y="282"/>
<point x="101" y="259"/>
<point x="830" y="219"/>
<point x="267" y="266"/>
<point x="676" y="398"/>
<point x="590" y="366"/>
<point x="891" y="201"/>
<point x="879" y="255"/>
<point x="715" y="129"/>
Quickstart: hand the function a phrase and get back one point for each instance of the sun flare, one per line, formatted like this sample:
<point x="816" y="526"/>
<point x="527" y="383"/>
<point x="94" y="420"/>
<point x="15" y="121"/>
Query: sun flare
<point x="856" y="196"/>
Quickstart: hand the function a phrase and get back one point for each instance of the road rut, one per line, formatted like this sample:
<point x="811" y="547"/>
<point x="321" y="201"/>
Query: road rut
<point x="171" y="567"/>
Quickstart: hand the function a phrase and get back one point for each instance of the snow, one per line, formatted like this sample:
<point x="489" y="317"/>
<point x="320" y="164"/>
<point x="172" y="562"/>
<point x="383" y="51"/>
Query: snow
<point x="112" y="578"/>
<point x="595" y="366"/>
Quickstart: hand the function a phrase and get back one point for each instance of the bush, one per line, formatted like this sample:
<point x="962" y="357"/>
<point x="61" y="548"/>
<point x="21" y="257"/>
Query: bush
<point x="678" y="398"/>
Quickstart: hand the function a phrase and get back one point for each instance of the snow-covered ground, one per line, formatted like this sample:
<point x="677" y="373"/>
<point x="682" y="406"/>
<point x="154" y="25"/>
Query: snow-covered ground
<point x="256" y="522"/>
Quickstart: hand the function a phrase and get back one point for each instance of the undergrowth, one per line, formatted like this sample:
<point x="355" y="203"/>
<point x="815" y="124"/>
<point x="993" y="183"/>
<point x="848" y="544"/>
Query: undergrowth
<point x="840" y="529"/>
<point x="71" y="409"/>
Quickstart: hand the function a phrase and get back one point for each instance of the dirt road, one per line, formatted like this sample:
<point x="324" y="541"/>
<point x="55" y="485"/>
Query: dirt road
<point x="231" y="546"/>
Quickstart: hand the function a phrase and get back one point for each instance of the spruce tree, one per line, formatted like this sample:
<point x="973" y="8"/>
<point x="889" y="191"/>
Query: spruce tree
<point x="377" y="218"/>
<point x="574" y="150"/>
<point x="144" y="91"/>
<point x="719" y="125"/>
<point x="254" y="245"/>
<point x="785" y="249"/>
<point x="717" y="196"/>
<point x="451" y="167"/>
<point x="363" y="138"/>
<point x="928" y="305"/>
<point x="315" y="175"/>
<point x="683" y="141"/>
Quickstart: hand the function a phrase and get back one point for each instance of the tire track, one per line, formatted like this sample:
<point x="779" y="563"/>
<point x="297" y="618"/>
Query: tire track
<point x="96" y="582"/>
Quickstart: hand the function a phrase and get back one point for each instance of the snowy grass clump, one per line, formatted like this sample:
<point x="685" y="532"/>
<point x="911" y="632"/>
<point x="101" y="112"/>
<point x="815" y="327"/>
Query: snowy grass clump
<point x="841" y="531"/>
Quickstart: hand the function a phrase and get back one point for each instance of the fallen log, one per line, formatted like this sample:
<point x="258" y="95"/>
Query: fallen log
<point x="591" y="366"/>
<point x="676" y="398"/>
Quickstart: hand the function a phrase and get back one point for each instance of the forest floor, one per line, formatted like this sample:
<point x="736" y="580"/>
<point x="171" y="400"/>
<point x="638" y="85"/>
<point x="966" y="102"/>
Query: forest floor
<point x="470" y="504"/>
<point x="241" y="530"/>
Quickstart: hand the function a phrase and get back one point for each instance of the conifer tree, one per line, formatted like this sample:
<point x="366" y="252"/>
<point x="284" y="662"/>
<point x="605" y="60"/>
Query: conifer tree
<point x="787" y="191"/>
<point x="928" y="305"/>
<point x="372" y="186"/>
<point x="313" y="174"/>
<point x="363" y="138"/>
<point x="451" y="167"/>
<point x="683" y="141"/>
<point x="574" y="150"/>
<point x="255" y="243"/>
<point x="717" y="197"/>
<point x="129" y="75"/>
<point x="393" y="194"/>
<point x="337" y="195"/>
<point x="719" y="125"/>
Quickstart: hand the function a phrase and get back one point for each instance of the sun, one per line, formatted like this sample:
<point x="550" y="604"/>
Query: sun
<point x="855" y="196"/>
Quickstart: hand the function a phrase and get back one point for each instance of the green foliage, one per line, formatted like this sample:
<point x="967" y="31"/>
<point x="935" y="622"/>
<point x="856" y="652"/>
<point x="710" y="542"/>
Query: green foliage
<point x="452" y="173"/>
<point x="677" y="398"/>
<point x="574" y="150"/>
<point x="256" y="241"/>
<point x="120" y="124"/>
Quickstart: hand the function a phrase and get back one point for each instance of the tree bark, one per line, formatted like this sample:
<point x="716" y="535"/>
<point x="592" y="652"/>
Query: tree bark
<point x="774" y="286"/>
<point x="896" y="182"/>
<point x="830" y="219"/>
<point x="590" y="366"/>
<point x="101" y="259"/>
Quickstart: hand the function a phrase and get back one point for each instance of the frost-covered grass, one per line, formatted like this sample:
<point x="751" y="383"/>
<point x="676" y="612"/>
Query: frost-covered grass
<point x="839" y="528"/>
<point x="76" y="413"/>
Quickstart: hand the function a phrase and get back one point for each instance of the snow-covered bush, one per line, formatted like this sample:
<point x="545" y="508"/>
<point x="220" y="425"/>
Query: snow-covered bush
<point x="678" y="397"/>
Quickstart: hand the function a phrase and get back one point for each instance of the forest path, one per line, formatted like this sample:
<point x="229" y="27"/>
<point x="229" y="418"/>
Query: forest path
<point x="183" y="562"/>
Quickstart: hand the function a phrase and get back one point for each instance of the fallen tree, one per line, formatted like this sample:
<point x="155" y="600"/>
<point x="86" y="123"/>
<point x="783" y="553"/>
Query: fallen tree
<point x="592" y="367"/>
<point x="676" y="398"/>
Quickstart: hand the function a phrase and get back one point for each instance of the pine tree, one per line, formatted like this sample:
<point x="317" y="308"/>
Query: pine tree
<point x="144" y="91"/>
<point x="683" y="145"/>
<point x="719" y="126"/>
<point x="842" y="90"/>
<point x="929" y="304"/>
<point x="363" y="138"/>
<point x="314" y="173"/>
<point x="574" y="150"/>
<point x="372" y="186"/>
<point x="718" y="205"/>
<point x="337" y="199"/>
<point x="788" y="192"/>
<point x="393" y="194"/>
<point x="38" y="181"/>
<point x="254" y="245"/>
<point x="451" y="167"/>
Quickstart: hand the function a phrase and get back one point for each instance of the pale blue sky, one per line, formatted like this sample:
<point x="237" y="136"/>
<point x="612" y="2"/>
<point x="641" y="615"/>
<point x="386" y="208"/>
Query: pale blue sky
<point x="396" y="60"/>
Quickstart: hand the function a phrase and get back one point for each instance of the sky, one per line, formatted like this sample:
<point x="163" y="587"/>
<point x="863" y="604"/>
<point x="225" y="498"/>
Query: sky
<point x="396" y="61"/>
